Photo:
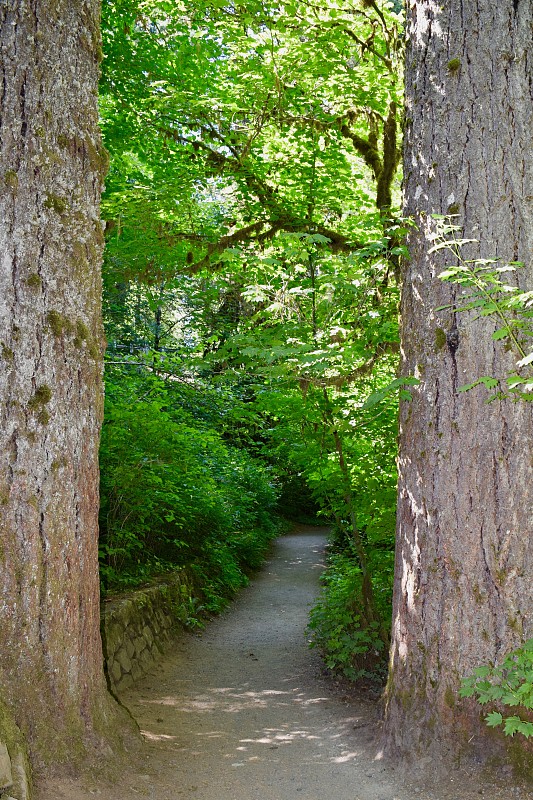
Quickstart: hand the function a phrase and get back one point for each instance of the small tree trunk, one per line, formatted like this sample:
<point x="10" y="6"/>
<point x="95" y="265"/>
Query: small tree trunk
<point x="370" y="611"/>
<point x="51" y="168"/>
<point x="369" y="604"/>
<point x="463" y="588"/>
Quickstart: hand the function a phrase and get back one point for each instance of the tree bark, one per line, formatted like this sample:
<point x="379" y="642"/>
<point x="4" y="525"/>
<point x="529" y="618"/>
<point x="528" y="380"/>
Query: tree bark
<point x="52" y="165"/>
<point x="463" y="589"/>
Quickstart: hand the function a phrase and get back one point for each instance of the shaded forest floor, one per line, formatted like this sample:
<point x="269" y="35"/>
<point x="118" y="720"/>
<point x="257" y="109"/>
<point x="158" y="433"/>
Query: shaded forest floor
<point x="243" y="711"/>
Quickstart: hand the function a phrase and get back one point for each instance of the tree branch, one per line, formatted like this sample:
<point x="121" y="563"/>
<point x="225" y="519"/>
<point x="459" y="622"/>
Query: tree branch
<point x="390" y="160"/>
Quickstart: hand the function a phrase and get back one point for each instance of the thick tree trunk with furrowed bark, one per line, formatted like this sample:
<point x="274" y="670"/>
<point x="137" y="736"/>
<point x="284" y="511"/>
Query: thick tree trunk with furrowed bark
<point x="51" y="169"/>
<point x="463" y="592"/>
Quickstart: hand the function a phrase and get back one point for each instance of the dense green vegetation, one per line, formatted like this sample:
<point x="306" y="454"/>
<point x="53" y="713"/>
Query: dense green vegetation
<point x="252" y="273"/>
<point x="251" y="290"/>
<point x="174" y="491"/>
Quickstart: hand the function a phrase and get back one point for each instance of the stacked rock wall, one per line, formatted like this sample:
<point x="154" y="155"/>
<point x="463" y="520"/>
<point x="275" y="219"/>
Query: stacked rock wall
<point x="136" y="628"/>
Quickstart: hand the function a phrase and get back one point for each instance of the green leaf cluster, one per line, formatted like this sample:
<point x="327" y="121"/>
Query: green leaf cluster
<point x="488" y="292"/>
<point x="507" y="685"/>
<point x="351" y="646"/>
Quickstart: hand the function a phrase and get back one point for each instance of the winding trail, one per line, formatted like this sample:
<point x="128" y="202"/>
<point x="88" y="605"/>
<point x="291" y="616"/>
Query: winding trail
<point x="242" y="711"/>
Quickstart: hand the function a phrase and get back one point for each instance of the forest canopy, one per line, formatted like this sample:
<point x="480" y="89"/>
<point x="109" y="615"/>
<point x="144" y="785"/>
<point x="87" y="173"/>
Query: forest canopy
<point x="251" y="286"/>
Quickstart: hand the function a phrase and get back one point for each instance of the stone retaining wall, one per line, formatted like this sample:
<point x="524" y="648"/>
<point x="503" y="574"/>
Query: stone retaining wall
<point x="137" y="627"/>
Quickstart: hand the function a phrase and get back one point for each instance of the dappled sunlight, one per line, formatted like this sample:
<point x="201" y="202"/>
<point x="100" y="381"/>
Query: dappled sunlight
<point x="345" y="757"/>
<point x="251" y="716"/>
<point x="232" y="700"/>
<point x="213" y="735"/>
<point x="157" y="737"/>
<point x="315" y="741"/>
<point x="273" y="739"/>
<point x="280" y="736"/>
<point x="297" y="562"/>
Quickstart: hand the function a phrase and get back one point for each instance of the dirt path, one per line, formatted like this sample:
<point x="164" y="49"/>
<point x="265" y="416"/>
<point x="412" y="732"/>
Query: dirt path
<point x="242" y="712"/>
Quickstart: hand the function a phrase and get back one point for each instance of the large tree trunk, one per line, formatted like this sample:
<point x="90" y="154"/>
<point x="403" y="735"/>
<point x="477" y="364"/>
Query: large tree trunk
<point x="463" y="591"/>
<point x="51" y="170"/>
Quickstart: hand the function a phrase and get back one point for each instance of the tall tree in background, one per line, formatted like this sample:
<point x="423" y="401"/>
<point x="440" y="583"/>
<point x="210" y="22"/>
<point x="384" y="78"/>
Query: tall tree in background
<point x="463" y="593"/>
<point x="254" y="156"/>
<point x="51" y="170"/>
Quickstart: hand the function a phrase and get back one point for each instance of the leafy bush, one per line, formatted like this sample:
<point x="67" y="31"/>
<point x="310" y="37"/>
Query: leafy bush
<point x="510" y="684"/>
<point x="351" y="645"/>
<point x="220" y="575"/>
<point x="173" y="492"/>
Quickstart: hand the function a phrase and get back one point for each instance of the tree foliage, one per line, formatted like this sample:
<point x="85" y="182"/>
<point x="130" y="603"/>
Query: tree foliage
<point x="253" y="250"/>
<point x="486" y="288"/>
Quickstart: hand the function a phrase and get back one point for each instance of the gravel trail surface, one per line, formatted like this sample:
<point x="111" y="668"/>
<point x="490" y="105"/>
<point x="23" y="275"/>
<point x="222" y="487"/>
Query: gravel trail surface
<point x="243" y="710"/>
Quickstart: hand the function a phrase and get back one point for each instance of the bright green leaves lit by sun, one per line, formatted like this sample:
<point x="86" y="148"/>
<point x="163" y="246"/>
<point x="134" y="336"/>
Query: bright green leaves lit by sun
<point x="253" y="248"/>
<point x="292" y="109"/>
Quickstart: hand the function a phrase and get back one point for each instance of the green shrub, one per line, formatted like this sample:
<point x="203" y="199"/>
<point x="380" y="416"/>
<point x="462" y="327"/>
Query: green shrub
<point x="220" y="576"/>
<point x="173" y="492"/>
<point x="350" y="645"/>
